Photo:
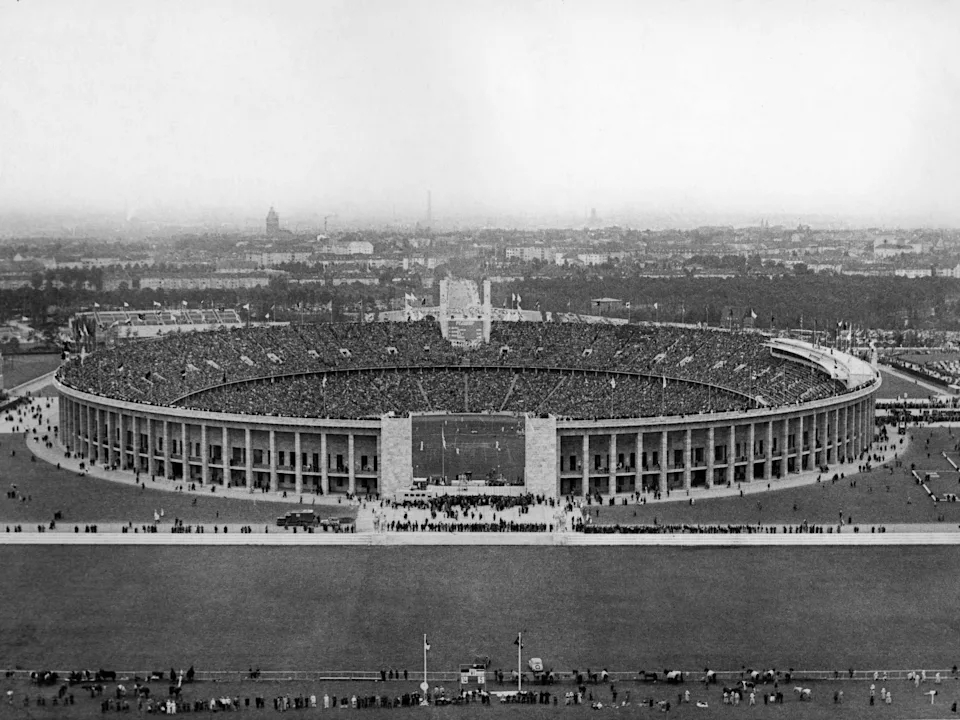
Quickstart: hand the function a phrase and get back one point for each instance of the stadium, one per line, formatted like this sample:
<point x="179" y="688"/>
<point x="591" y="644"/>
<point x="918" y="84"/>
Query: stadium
<point x="464" y="397"/>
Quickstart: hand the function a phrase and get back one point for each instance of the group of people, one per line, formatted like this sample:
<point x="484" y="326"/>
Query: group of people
<point x="727" y="369"/>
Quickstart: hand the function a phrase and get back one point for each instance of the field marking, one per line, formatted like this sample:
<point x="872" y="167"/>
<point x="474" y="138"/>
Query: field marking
<point x="488" y="539"/>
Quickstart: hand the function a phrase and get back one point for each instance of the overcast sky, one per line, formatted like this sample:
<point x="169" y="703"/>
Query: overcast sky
<point x="498" y="107"/>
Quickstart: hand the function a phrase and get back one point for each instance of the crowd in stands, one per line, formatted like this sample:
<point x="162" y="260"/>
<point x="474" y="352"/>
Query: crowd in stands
<point x="568" y="369"/>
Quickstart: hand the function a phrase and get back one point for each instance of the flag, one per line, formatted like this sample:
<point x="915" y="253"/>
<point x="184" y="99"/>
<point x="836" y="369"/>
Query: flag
<point x="664" y="382"/>
<point x="126" y="305"/>
<point x="517" y="641"/>
<point x="656" y="306"/>
<point x="426" y="645"/>
<point x="443" y="439"/>
<point x="96" y="305"/>
<point x="753" y="314"/>
<point x="156" y="304"/>
<point x="247" y="306"/>
<point x="627" y="304"/>
<point x="184" y="303"/>
<point x="613" y="383"/>
<point x="513" y="297"/>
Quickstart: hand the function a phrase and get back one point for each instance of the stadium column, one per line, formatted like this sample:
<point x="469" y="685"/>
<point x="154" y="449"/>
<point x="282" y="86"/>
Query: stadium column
<point x="325" y="466"/>
<point x="101" y="457"/>
<point x="167" y="465"/>
<point x="687" y="457"/>
<point x="638" y="483"/>
<point x="351" y="470"/>
<point x="112" y="438"/>
<point x="711" y="439"/>
<point x="613" y="463"/>
<point x="768" y="455"/>
<point x="274" y="480"/>
<point x="89" y="432"/>
<point x="248" y="457"/>
<point x="135" y="429"/>
<point x="822" y="460"/>
<point x="836" y="433"/>
<point x="799" y="460"/>
<point x="297" y="464"/>
<point x="151" y="448"/>
<point x="585" y="464"/>
<point x="225" y="455"/>
<point x="751" y="449"/>
<point x="731" y="454"/>
<point x="845" y="432"/>
<point x="662" y="480"/>
<point x="204" y="455"/>
<point x="784" y="448"/>
<point x="184" y="452"/>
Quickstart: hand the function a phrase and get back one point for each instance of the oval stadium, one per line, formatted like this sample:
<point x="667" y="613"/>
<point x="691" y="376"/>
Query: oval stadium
<point x="462" y="397"/>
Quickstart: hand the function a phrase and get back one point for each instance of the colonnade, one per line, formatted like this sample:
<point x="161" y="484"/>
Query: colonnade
<point x="338" y="460"/>
<point x="678" y="456"/>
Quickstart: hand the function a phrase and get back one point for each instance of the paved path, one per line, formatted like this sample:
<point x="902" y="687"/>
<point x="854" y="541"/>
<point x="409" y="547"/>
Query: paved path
<point x="908" y="536"/>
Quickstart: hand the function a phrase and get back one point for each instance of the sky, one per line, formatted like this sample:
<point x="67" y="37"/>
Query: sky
<point x="516" y="107"/>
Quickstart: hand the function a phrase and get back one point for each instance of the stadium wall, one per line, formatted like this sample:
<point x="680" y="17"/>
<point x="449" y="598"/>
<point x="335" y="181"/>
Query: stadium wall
<point x="562" y="457"/>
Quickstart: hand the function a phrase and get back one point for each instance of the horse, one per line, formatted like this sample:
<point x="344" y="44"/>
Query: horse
<point x="709" y="676"/>
<point x="44" y="677"/>
<point x="674" y="677"/>
<point x="768" y="676"/>
<point x="647" y="676"/>
<point x="105" y="675"/>
<point x="803" y="693"/>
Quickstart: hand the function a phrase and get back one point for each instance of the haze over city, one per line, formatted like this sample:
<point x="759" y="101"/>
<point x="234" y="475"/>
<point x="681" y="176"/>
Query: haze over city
<point x="833" y="112"/>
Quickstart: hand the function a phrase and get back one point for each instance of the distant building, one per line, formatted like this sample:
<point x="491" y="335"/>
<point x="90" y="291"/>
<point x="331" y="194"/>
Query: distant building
<point x="354" y="247"/>
<point x="273" y="222"/>
<point x="529" y="253"/>
<point x="606" y="304"/>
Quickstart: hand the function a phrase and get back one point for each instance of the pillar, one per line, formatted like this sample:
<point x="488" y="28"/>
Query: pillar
<point x="298" y="464"/>
<point x="639" y="468"/>
<point x="151" y="447"/>
<point x="167" y="465"/>
<point x="751" y="449"/>
<point x="112" y="455"/>
<point x="836" y="434"/>
<point x="225" y="454"/>
<point x="662" y="480"/>
<point x="687" y="457"/>
<point x="380" y="464"/>
<point x="785" y="449"/>
<point x="768" y="455"/>
<point x="99" y="436"/>
<point x="613" y="463"/>
<point x="351" y="470"/>
<point x="585" y="469"/>
<point x="184" y="452"/>
<point x="135" y="429"/>
<point x="274" y="478"/>
<point x="325" y="466"/>
<point x="731" y="453"/>
<point x="204" y="455"/>
<point x="710" y="450"/>
<point x="248" y="457"/>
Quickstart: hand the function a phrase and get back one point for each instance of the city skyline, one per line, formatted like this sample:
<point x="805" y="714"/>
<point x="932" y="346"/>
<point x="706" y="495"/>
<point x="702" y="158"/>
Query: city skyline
<point x="688" y="112"/>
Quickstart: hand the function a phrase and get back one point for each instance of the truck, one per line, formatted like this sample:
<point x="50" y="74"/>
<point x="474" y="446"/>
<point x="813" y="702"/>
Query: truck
<point x="298" y="518"/>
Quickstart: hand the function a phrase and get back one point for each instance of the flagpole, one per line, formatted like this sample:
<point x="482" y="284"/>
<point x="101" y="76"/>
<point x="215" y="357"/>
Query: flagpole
<point x="425" y="684"/>
<point x="519" y="662"/>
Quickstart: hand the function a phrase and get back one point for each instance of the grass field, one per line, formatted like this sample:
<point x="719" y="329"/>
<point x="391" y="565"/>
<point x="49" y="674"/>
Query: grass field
<point x="894" y="386"/>
<point x="91" y="500"/>
<point x="453" y="444"/>
<point x="19" y="369"/>
<point x="135" y="607"/>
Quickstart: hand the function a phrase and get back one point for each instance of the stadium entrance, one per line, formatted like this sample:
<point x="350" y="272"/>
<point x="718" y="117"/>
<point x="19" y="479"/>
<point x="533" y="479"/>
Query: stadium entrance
<point x="469" y="453"/>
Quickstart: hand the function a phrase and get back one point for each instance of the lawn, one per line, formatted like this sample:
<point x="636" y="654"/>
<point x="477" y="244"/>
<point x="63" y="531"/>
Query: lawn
<point x="92" y="500"/>
<point x="138" y="607"/>
<point x="19" y="369"/>
<point x="894" y="386"/>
